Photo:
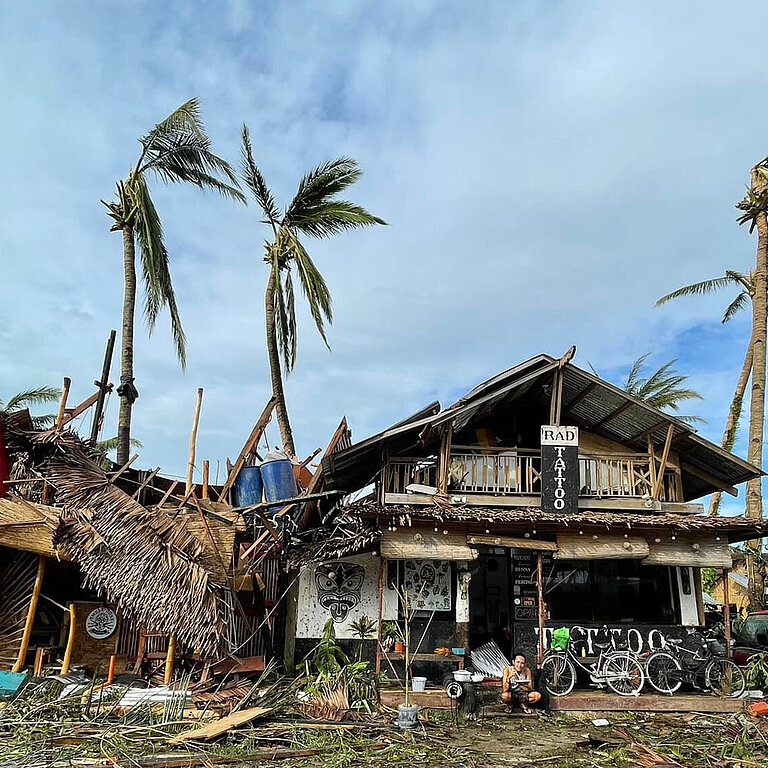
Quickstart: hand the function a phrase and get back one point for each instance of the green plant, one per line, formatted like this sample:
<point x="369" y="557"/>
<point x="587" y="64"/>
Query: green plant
<point x="757" y="670"/>
<point x="364" y="629"/>
<point x="390" y="630"/>
<point x="327" y="658"/>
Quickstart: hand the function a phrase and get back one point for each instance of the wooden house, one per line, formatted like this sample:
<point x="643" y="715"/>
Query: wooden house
<point x="545" y="497"/>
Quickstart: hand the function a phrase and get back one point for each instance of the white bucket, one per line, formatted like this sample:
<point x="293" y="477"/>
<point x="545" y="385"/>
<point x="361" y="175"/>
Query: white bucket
<point x="419" y="683"/>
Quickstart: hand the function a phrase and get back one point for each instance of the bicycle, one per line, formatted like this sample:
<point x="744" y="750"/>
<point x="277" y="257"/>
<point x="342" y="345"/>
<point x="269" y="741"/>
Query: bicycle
<point x="619" y="670"/>
<point x="693" y="660"/>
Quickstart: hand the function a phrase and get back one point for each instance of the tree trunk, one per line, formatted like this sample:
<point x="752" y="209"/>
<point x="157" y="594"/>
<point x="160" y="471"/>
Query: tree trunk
<point x="757" y="404"/>
<point x="126" y="355"/>
<point x="734" y="414"/>
<point x="274" y="367"/>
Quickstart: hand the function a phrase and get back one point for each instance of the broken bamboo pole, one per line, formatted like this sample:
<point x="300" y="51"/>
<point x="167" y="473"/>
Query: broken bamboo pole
<point x="206" y="473"/>
<point x="193" y="439"/>
<point x="103" y="385"/>
<point x="170" y="658"/>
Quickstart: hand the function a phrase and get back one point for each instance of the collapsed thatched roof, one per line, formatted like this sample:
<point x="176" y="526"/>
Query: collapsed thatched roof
<point x="147" y="561"/>
<point x="342" y="544"/>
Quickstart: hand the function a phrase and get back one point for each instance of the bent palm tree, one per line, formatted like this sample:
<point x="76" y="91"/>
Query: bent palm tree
<point x="744" y="281"/>
<point x="662" y="389"/>
<point x="315" y="212"/>
<point x="175" y="150"/>
<point x="31" y="397"/>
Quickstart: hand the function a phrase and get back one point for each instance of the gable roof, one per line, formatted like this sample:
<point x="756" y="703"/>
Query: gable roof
<point x="588" y="401"/>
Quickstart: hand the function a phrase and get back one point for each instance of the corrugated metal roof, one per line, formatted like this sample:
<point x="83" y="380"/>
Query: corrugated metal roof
<point x="588" y="401"/>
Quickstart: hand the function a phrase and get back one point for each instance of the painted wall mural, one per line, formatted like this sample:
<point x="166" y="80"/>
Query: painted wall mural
<point x="343" y="590"/>
<point x="428" y="582"/>
<point x="338" y="587"/>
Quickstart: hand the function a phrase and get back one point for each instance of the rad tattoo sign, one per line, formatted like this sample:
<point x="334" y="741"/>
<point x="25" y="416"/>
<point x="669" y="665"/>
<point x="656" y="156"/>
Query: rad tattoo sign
<point x="559" y="469"/>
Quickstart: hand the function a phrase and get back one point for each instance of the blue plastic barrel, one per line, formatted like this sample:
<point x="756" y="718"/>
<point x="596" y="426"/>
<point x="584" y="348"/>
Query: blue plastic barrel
<point x="278" y="479"/>
<point x="247" y="488"/>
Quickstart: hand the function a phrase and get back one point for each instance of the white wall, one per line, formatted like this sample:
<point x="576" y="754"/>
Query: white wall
<point x="689" y="610"/>
<point x="311" y="616"/>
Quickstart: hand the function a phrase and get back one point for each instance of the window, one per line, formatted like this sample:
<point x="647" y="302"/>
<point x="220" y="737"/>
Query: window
<point x="621" y="591"/>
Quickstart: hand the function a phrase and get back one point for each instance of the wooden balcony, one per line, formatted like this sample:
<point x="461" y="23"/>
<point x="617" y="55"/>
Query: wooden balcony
<point x="516" y="473"/>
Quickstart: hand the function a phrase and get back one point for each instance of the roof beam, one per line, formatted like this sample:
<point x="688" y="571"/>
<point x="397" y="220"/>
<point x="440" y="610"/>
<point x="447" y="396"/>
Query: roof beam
<point x="584" y="392"/>
<point x="707" y="478"/>
<point x="617" y="412"/>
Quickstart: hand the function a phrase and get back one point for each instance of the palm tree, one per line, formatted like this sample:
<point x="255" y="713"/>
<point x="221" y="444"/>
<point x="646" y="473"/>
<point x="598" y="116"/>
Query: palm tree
<point x="745" y="283"/>
<point x="314" y="211"/>
<point x="662" y="389"/>
<point x="175" y="150"/>
<point x="754" y="207"/>
<point x="31" y="397"/>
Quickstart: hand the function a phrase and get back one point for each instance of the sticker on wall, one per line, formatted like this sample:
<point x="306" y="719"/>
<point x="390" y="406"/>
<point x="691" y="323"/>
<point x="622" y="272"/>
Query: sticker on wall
<point x="338" y="587"/>
<point x="101" y="623"/>
<point x="428" y="582"/>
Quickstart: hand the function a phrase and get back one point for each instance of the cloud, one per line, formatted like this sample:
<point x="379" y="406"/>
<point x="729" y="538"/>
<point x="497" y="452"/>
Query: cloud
<point x="547" y="172"/>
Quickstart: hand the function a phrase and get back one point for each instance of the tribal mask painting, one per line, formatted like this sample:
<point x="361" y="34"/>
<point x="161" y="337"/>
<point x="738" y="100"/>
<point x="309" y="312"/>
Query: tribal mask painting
<point x="338" y="587"/>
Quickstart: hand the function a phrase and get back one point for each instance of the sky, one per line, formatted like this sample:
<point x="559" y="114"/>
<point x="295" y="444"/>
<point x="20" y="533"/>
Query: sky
<point x="547" y="171"/>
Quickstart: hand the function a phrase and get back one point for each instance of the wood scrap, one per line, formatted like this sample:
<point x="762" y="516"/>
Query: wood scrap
<point x="212" y="730"/>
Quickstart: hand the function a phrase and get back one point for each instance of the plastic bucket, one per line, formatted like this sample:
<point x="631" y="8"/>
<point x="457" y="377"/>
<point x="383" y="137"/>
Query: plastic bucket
<point x="419" y="683"/>
<point x="278" y="479"/>
<point x="247" y="488"/>
<point x="407" y="717"/>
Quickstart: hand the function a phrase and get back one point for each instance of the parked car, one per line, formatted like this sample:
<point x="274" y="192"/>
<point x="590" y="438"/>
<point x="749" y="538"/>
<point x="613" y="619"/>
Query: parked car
<point x="751" y="638"/>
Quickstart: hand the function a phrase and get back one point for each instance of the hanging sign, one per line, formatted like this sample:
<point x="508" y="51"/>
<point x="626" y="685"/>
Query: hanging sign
<point x="101" y="623"/>
<point x="559" y="469"/>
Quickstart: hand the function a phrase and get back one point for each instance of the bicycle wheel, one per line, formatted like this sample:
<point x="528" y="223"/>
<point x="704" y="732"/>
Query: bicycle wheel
<point x="664" y="672"/>
<point x="725" y="678"/>
<point x="558" y="674"/>
<point x="623" y="674"/>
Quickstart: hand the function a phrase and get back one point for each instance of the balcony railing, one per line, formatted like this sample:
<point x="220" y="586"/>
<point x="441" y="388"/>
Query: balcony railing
<point x="517" y="472"/>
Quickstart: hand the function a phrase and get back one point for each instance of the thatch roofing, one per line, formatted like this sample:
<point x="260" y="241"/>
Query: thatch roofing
<point x="588" y="402"/>
<point x="340" y="545"/>
<point x="146" y="560"/>
<point x="735" y="528"/>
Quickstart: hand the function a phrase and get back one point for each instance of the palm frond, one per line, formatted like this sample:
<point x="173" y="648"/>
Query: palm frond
<point x="314" y="287"/>
<point x="739" y="303"/>
<point x="631" y="383"/>
<point x="155" y="264"/>
<point x="36" y="396"/>
<point x="284" y="321"/>
<point x="178" y="150"/>
<point x="663" y="389"/>
<point x="313" y="209"/>
<point x="255" y="181"/>
<point x="111" y="443"/>
<point x="702" y="288"/>
<point x="43" y="422"/>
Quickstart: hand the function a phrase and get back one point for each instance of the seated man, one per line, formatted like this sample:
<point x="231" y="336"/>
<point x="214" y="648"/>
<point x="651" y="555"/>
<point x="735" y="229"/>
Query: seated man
<point x="517" y="685"/>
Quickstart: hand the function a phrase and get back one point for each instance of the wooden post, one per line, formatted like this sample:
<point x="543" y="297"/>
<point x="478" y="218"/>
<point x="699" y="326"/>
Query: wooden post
<point x="663" y="464"/>
<point x="102" y="384"/>
<point x="382" y="575"/>
<point x="70" y="641"/>
<point x="21" y="658"/>
<point x="206" y="472"/>
<point x="58" y="426"/>
<point x="39" y="658"/>
<point x="651" y="462"/>
<point x="727" y="613"/>
<point x="250" y="445"/>
<point x="540" y="585"/>
<point x="193" y="438"/>
<point x="445" y="458"/>
<point x="111" y="670"/>
<point x="553" y="398"/>
<point x="170" y="658"/>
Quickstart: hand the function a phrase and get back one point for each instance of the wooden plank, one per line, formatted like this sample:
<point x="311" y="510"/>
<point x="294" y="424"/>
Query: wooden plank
<point x="510" y="541"/>
<point x="702" y="551"/>
<point x="236" y="666"/>
<point x="608" y="546"/>
<point x="430" y="699"/>
<point x="212" y="730"/>
<point x="598" y="701"/>
<point x="424" y="544"/>
<point x="250" y="445"/>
